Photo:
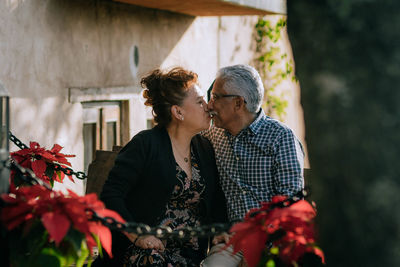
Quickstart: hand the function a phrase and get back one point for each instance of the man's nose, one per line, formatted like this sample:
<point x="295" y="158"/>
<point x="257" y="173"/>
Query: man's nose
<point x="210" y="105"/>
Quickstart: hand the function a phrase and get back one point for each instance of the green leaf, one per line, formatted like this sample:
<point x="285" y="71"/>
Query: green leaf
<point x="273" y="65"/>
<point x="59" y="174"/>
<point x="274" y="250"/>
<point x="25" y="244"/>
<point x="69" y="251"/>
<point x="51" y="257"/>
<point x="84" y="253"/>
<point x="49" y="171"/>
<point x="271" y="62"/>
<point x="36" y="238"/>
<point x="89" y="262"/>
<point x="75" y="238"/>
<point x="270" y="263"/>
<point x="96" y="238"/>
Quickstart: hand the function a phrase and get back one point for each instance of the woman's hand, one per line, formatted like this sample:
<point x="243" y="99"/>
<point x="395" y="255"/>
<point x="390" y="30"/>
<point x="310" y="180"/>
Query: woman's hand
<point x="149" y="242"/>
<point x="222" y="238"/>
<point x="131" y="237"/>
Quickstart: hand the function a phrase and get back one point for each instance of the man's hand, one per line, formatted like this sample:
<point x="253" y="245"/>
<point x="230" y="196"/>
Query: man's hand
<point x="222" y="238"/>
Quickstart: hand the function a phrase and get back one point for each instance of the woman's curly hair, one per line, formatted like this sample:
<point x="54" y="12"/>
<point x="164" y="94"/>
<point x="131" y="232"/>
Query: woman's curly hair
<point x="163" y="89"/>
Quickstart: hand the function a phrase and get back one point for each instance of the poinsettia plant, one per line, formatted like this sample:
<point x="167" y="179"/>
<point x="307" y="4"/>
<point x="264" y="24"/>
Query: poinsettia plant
<point x="47" y="227"/>
<point x="279" y="233"/>
<point x="50" y="227"/>
<point x="43" y="162"/>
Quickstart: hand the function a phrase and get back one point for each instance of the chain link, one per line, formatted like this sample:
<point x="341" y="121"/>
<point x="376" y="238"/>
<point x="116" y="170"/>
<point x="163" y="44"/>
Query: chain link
<point x="28" y="175"/>
<point x="140" y="228"/>
<point x="283" y="204"/>
<point x="69" y="171"/>
<point x="57" y="167"/>
<point x="17" y="142"/>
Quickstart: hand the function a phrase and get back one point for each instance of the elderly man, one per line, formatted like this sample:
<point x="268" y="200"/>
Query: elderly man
<point x="257" y="156"/>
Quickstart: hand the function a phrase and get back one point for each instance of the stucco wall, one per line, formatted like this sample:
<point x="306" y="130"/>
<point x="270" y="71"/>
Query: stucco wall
<point x="48" y="46"/>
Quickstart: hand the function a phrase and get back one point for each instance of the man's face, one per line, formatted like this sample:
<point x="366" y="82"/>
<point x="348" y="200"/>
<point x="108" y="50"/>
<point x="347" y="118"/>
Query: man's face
<point x="221" y="105"/>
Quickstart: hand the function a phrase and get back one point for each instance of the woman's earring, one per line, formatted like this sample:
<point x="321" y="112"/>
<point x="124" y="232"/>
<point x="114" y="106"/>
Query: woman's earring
<point x="182" y="118"/>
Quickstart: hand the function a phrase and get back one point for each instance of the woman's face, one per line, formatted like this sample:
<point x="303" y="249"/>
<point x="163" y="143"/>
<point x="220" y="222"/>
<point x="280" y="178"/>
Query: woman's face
<point x="194" y="110"/>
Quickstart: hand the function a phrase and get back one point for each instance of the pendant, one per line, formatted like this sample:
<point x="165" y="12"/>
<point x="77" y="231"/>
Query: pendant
<point x="186" y="159"/>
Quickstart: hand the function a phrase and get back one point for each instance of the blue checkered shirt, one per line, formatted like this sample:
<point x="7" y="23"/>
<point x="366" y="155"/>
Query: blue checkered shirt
<point x="263" y="160"/>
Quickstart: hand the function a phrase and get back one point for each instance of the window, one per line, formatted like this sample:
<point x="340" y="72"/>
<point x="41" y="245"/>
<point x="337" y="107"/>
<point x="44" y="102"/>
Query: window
<point x="150" y="123"/>
<point x="111" y="116"/>
<point x="102" y="128"/>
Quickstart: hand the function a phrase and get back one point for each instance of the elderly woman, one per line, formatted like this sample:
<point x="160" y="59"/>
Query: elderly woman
<point x="166" y="176"/>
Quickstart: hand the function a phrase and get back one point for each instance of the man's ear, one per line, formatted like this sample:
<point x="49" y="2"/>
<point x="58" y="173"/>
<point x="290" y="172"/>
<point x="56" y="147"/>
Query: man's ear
<point x="239" y="103"/>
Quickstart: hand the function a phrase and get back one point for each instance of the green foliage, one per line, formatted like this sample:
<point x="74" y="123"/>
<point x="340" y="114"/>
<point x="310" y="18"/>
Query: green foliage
<point x="270" y="258"/>
<point x="272" y="64"/>
<point x="348" y="61"/>
<point x="30" y="247"/>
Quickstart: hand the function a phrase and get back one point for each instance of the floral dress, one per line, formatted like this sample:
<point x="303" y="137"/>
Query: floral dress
<point x="182" y="210"/>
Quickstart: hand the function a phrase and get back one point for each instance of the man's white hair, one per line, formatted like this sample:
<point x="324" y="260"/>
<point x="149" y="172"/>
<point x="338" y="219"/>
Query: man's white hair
<point x="245" y="81"/>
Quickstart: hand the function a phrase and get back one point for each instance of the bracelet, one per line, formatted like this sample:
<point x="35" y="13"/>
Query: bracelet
<point x="134" y="241"/>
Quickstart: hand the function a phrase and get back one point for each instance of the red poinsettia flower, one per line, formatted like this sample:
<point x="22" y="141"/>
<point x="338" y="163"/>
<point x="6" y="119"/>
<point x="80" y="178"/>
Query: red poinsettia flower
<point x="290" y="228"/>
<point x="40" y="160"/>
<point x="58" y="213"/>
<point x="250" y="238"/>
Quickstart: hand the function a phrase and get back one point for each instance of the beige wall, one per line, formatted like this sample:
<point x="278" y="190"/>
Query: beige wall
<point x="49" y="46"/>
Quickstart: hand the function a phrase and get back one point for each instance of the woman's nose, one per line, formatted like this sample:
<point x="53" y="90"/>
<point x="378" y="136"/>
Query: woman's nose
<point x="205" y="105"/>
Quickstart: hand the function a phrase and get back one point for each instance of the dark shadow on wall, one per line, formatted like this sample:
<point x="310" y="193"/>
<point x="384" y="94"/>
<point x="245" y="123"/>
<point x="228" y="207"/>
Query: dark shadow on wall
<point x="81" y="43"/>
<point x="100" y="35"/>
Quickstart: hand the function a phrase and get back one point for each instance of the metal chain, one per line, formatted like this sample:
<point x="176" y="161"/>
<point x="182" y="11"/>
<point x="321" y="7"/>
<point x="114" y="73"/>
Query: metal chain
<point x="69" y="171"/>
<point x="28" y="175"/>
<point x="17" y="142"/>
<point x="162" y="231"/>
<point x="283" y="204"/>
<point x="132" y="227"/>
<point x="57" y="167"/>
<point x="187" y="232"/>
<point x="159" y="231"/>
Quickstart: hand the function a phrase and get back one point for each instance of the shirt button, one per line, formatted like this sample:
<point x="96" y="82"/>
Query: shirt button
<point x="237" y="158"/>
<point x="244" y="192"/>
<point x="236" y="140"/>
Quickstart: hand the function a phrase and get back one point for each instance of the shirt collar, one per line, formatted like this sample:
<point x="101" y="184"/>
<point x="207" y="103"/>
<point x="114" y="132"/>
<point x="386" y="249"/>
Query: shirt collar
<point x="254" y="127"/>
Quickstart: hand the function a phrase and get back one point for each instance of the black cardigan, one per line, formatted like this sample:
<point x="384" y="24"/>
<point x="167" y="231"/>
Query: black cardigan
<point x="144" y="175"/>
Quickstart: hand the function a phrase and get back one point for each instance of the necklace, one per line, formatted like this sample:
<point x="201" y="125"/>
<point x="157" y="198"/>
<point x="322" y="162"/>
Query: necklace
<point x="185" y="159"/>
